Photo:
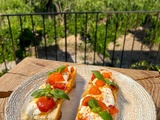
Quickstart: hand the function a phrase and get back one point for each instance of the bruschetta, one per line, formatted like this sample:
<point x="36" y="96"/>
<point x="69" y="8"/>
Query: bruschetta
<point x="98" y="102"/>
<point x="47" y="100"/>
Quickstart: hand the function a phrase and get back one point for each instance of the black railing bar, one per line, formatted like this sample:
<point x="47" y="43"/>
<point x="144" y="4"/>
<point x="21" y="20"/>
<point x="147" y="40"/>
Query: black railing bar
<point x="35" y="46"/>
<point x="134" y="37"/>
<point x="55" y="13"/>
<point x="55" y="35"/>
<point x="105" y="39"/>
<point x="10" y="30"/>
<point x="124" y="41"/>
<point x="153" y="36"/>
<point x="44" y="35"/>
<point x="95" y="42"/>
<point x="114" y="40"/>
<point x="156" y="60"/>
<point x="149" y="54"/>
<point x="65" y="32"/>
<point x="75" y="38"/>
<point x="157" y="56"/>
<point x="31" y="16"/>
<point x="85" y="38"/>
<point x="2" y="52"/>
<point x="21" y="24"/>
<point x="143" y="39"/>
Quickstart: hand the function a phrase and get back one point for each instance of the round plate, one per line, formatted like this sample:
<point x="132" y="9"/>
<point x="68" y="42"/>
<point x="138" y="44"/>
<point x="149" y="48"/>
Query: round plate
<point x="134" y="103"/>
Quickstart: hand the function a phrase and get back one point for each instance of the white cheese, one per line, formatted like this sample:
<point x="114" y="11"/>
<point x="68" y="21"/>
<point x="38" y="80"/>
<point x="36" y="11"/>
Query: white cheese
<point x="88" y="114"/>
<point x="66" y="76"/>
<point x="94" y="81"/>
<point x="108" y="96"/>
<point x="32" y="109"/>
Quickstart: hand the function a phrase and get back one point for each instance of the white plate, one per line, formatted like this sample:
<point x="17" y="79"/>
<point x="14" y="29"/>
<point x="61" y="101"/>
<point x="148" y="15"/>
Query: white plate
<point x="134" y="103"/>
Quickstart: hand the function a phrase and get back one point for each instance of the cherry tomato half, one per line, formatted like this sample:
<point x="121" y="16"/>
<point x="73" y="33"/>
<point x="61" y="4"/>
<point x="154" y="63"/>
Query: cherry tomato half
<point x="85" y="100"/>
<point x="107" y="74"/>
<point x="112" y="109"/>
<point x="61" y="86"/>
<point x="55" y="77"/>
<point x="95" y="90"/>
<point x="93" y="77"/>
<point x="44" y="104"/>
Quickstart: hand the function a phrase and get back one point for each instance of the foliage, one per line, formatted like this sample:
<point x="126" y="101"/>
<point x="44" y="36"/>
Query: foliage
<point x="3" y="72"/>
<point x="51" y="27"/>
<point x="145" y="66"/>
<point x="15" y="6"/>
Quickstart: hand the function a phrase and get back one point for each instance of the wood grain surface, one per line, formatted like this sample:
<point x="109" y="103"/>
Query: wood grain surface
<point x="150" y="80"/>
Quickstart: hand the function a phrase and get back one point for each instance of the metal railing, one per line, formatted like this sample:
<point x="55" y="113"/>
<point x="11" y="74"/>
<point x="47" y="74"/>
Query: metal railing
<point x="113" y="38"/>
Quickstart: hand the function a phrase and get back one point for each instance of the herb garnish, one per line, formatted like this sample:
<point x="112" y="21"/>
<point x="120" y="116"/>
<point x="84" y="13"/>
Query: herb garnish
<point x="60" y="69"/>
<point x="99" y="76"/>
<point x="49" y="92"/>
<point x="93" y="104"/>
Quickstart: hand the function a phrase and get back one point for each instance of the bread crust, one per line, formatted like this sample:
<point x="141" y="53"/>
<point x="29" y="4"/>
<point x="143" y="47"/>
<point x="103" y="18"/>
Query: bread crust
<point x="54" y="114"/>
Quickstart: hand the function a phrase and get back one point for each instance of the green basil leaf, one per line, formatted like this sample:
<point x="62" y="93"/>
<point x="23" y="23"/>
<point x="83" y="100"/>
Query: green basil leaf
<point x="49" y="73"/>
<point x="105" y="115"/>
<point x="97" y="109"/>
<point x="111" y="83"/>
<point x="59" y="94"/>
<point x="98" y="75"/>
<point x="48" y="87"/>
<point x="61" y="68"/>
<point x="93" y="103"/>
<point x="38" y="93"/>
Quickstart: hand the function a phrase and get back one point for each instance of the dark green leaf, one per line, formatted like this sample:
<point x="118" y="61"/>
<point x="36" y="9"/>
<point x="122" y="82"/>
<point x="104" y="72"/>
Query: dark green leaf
<point x="97" y="109"/>
<point x="98" y="75"/>
<point x="93" y="103"/>
<point x="59" y="94"/>
<point x="105" y="115"/>
<point x="48" y="87"/>
<point x="38" y="93"/>
<point x="111" y="83"/>
<point x="47" y="94"/>
<point x="61" y="68"/>
<point x="49" y="73"/>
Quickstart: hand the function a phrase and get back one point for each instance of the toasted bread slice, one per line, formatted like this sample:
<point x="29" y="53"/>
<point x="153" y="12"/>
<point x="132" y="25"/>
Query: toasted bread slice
<point x="98" y="101"/>
<point x="33" y="112"/>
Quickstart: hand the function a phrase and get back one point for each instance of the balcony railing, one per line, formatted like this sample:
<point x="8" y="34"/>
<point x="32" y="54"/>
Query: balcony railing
<point x="110" y="38"/>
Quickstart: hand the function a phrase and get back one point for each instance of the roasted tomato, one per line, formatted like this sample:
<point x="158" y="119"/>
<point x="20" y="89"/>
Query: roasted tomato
<point x="65" y="70"/>
<point x="95" y="90"/>
<point x="44" y="104"/>
<point x="93" y="77"/>
<point x="85" y="100"/>
<point x="61" y="86"/>
<point x="112" y="109"/>
<point x="99" y="83"/>
<point x="102" y="105"/>
<point x="55" y="77"/>
<point x="107" y="74"/>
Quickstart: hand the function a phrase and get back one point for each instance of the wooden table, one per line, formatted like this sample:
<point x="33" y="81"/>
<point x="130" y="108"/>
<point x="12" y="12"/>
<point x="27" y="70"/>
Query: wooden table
<point x="150" y="80"/>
